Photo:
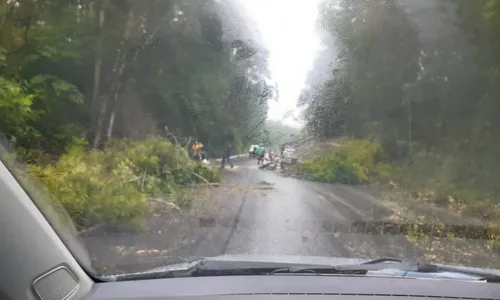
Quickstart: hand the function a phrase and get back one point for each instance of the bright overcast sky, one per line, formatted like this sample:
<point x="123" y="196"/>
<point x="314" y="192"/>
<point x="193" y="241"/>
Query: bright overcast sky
<point x="288" y="30"/>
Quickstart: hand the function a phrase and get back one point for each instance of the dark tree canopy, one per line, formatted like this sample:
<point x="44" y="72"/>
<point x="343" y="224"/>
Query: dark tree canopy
<point x="76" y="73"/>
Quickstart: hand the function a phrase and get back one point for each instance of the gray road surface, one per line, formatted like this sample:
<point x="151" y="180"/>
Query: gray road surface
<point x="279" y="215"/>
<point x="255" y="212"/>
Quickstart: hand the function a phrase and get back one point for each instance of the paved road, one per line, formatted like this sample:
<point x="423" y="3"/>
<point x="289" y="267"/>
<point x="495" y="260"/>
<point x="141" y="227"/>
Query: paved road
<point x="255" y="212"/>
<point x="282" y="217"/>
<point x="279" y="215"/>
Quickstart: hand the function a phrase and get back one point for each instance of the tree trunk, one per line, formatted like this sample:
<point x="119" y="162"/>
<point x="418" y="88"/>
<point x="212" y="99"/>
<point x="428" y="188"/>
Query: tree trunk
<point x="97" y="80"/>
<point x="119" y="69"/>
<point x="109" y="134"/>
<point x="98" y="60"/>
<point x="100" y="123"/>
<point x="125" y="56"/>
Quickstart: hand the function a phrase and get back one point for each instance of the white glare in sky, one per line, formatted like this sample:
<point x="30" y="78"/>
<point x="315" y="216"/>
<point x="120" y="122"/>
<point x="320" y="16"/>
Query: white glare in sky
<point x="288" y="30"/>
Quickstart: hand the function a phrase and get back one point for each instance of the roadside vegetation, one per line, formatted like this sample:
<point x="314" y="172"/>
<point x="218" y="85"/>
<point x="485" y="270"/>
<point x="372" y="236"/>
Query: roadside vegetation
<point x="94" y="93"/>
<point x="419" y="106"/>
<point x="354" y="162"/>
<point x="113" y="185"/>
<point x="425" y="176"/>
<point x="433" y="203"/>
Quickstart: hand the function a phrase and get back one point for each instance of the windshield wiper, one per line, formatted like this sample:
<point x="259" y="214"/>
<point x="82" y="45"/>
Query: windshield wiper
<point x="208" y="267"/>
<point x="232" y="268"/>
<point x="252" y="268"/>
<point x="415" y="266"/>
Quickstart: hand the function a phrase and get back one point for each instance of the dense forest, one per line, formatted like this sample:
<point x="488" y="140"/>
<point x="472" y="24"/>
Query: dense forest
<point x="420" y="78"/>
<point x="102" y="99"/>
<point x="81" y="73"/>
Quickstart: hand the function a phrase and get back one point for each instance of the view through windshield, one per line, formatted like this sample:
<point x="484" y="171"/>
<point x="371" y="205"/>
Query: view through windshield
<point x="169" y="130"/>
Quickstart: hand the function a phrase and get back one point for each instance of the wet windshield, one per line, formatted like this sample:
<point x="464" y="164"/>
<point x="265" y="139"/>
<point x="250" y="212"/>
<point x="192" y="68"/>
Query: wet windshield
<point x="169" y="130"/>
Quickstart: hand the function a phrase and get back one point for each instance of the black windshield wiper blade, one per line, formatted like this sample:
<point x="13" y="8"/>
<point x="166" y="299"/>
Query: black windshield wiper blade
<point x="318" y="271"/>
<point x="208" y="267"/>
<point x="239" y="268"/>
<point x="162" y="272"/>
<point x="416" y="266"/>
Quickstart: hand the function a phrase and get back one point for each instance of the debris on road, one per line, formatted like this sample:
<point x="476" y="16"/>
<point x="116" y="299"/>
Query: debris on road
<point x="265" y="183"/>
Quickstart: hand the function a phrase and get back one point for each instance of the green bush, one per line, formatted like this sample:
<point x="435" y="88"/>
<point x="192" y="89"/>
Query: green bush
<point x="331" y="167"/>
<point x="368" y="156"/>
<point x="355" y="162"/>
<point x="112" y="185"/>
<point x="158" y="165"/>
<point x="90" y="194"/>
<point x="208" y="173"/>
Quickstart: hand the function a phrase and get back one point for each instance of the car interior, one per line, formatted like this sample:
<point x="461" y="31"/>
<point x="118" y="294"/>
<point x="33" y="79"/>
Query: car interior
<point x="38" y="263"/>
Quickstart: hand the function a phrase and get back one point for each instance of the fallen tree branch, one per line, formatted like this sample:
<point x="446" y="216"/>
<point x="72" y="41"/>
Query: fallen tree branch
<point x="214" y="184"/>
<point x="90" y="229"/>
<point x="173" y="205"/>
<point x="197" y="175"/>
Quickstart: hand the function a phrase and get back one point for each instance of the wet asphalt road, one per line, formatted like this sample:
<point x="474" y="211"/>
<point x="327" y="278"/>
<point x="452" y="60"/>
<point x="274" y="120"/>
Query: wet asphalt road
<point x="283" y="217"/>
<point x="279" y="215"/>
<point x="254" y="212"/>
<point x="262" y="213"/>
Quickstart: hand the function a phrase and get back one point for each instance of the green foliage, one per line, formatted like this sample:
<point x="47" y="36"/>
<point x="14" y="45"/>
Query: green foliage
<point x="59" y="68"/>
<point x="367" y="156"/>
<point x="207" y="173"/>
<point x="355" y="162"/>
<point x="155" y="165"/>
<point x="428" y="95"/>
<point x="34" y="116"/>
<point x="91" y="194"/>
<point x="15" y="108"/>
<point x="112" y="185"/>
<point x="183" y="77"/>
<point x="332" y="167"/>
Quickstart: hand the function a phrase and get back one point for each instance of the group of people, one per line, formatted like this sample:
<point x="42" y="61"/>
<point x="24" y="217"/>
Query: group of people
<point x="264" y="158"/>
<point x="258" y="151"/>
<point x="200" y="155"/>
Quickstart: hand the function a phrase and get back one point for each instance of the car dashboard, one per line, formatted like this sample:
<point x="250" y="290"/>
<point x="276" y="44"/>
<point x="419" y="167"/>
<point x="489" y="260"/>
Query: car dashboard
<point x="297" y="287"/>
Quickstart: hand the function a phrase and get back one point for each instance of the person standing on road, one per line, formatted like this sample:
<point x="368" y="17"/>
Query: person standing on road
<point x="258" y="151"/>
<point x="227" y="156"/>
<point x="260" y="156"/>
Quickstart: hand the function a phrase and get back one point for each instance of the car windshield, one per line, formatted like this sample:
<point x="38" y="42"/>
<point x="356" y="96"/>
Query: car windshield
<point x="167" y="131"/>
